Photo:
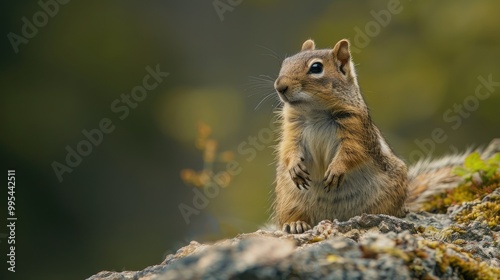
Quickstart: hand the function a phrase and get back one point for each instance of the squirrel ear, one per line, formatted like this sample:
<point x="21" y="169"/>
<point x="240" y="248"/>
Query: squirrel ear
<point x="342" y="56"/>
<point x="308" y="45"/>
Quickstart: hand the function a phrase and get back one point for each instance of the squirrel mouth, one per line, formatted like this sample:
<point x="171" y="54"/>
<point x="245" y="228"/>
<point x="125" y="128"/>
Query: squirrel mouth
<point x="283" y="98"/>
<point x="287" y="100"/>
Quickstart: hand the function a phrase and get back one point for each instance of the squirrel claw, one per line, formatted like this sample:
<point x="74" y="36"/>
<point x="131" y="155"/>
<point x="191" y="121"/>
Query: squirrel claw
<point x="304" y="185"/>
<point x="332" y="179"/>
<point x="296" y="227"/>
<point x="300" y="176"/>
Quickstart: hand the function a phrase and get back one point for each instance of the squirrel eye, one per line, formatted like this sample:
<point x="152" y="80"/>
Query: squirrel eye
<point x="316" y="68"/>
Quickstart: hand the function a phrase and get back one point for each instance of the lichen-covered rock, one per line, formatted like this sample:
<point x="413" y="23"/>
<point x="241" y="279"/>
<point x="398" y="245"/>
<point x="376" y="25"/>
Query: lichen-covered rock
<point x="464" y="243"/>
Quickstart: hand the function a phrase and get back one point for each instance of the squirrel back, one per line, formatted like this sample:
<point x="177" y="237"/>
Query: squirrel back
<point x="332" y="160"/>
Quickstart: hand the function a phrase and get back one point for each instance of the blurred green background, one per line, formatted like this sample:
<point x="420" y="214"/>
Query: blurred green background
<point x="119" y="209"/>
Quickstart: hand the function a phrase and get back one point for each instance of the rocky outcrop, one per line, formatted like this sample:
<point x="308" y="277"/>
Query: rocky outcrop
<point x="462" y="244"/>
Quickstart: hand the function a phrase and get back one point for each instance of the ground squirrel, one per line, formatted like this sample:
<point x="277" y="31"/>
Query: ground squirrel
<point x="333" y="162"/>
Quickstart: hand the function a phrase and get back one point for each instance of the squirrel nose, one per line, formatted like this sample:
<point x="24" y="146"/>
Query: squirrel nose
<point x="282" y="89"/>
<point x="280" y="86"/>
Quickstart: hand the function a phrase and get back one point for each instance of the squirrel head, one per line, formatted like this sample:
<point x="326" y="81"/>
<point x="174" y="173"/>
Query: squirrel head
<point x="319" y="79"/>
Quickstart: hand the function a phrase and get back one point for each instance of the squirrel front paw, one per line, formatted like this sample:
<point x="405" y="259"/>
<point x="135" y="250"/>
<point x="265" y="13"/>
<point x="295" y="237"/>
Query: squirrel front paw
<point x="334" y="176"/>
<point x="296" y="227"/>
<point x="299" y="174"/>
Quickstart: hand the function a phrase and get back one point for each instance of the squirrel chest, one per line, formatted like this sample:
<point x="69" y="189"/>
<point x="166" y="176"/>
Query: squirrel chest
<point x="320" y="141"/>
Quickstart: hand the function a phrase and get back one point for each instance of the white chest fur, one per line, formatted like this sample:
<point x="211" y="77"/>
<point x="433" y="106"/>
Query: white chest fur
<point x="320" y="142"/>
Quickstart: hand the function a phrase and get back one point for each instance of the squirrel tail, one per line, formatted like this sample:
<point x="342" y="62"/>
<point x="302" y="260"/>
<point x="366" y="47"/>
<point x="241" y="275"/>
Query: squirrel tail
<point x="429" y="177"/>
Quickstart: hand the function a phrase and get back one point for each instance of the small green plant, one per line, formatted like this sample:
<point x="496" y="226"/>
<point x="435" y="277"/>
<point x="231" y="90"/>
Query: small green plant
<point x="474" y="164"/>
